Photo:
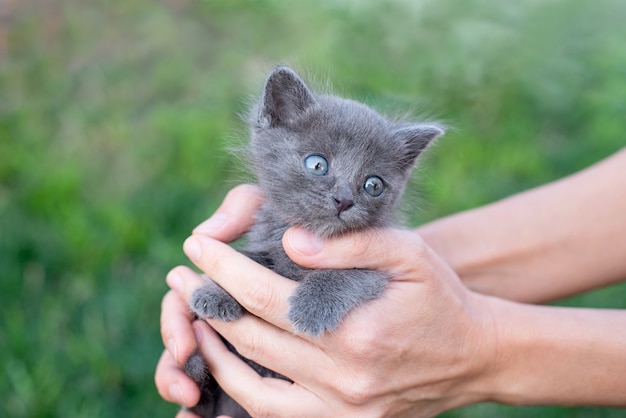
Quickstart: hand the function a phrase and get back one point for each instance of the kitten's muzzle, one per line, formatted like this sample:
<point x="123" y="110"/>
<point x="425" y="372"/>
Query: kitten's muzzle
<point x="344" y="200"/>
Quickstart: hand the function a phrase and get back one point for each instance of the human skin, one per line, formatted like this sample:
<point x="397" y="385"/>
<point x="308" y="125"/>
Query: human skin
<point x="444" y="345"/>
<point x="554" y="241"/>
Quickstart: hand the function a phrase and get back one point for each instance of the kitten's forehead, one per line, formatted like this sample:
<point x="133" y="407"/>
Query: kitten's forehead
<point x="344" y="114"/>
<point x="344" y="125"/>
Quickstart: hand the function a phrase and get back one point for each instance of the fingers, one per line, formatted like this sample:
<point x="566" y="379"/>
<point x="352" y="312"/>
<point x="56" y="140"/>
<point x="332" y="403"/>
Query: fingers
<point x="260" y="396"/>
<point x="173" y="384"/>
<point x="254" y="338"/>
<point x="259" y="290"/>
<point x="176" y="328"/>
<point x="234" y="216"/>
<point x="274" y="348"/>
<point x="393" y="250"/>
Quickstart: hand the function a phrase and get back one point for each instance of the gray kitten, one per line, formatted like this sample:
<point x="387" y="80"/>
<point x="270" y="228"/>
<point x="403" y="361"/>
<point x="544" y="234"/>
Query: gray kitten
<point x="329" y="165"/>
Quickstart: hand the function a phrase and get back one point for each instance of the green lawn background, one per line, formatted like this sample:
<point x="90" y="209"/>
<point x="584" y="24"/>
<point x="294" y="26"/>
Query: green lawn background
<point x="115" y="116"/>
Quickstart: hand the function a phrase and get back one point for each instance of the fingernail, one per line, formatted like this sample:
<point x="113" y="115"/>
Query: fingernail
<point x="171" y="347"/>
<point x="192" y="248"/>
<point x="303" y="242"/>
<point x="211" y="225"/>
<point x="176" y="393"/>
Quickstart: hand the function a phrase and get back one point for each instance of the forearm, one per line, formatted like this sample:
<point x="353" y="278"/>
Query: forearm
<point x="559" y="356"/>
<point x="547" y="243"/>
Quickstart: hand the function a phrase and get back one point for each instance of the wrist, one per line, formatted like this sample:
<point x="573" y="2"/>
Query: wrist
<point x="556" y="356"/>
<point x="482" y="374"/>
<point x="475" y="377"/>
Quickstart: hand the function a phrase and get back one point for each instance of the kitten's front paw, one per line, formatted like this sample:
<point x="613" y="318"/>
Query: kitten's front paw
<point x="325" y="297"/>
<point x="195" y="367"/>
<point x="211" y="301"/>
<point x="313" y="315"/>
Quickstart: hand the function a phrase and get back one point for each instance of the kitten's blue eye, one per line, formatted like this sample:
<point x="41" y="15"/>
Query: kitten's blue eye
<point x="316" y="165"/>
<point x="374" y="186"/>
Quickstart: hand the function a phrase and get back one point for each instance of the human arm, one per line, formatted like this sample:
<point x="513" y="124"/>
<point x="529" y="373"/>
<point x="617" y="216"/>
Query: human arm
<point x="544" y="244"/>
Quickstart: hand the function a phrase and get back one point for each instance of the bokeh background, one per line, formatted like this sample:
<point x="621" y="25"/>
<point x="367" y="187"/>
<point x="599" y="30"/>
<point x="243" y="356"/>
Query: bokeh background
<point x="115" y="116"/>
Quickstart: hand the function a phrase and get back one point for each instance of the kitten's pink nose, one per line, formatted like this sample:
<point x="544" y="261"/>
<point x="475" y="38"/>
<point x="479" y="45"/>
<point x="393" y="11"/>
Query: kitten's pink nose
<point x="343" y="197"/>
<point x="343" y="204"/>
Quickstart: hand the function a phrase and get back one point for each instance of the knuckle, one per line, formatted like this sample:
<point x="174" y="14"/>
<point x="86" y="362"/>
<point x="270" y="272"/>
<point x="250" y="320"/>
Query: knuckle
<point x="256" y="346"/>
<point x="355" y="389"/>
<point x="259" y="297"/>
<point x="365" y="342"/>
<point x="217" y="266"/>
<point x="363" y="347"/>
<point x="249" y="345"/>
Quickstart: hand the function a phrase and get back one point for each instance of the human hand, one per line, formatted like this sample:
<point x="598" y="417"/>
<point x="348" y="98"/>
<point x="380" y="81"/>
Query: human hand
<point x="420" y="349"/>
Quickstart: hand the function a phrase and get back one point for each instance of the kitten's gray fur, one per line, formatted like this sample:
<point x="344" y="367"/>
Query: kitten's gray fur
<point x="289" y="124"/>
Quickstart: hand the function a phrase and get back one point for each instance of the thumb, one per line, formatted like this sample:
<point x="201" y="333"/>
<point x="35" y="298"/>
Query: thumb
<point x="393" y="250"/>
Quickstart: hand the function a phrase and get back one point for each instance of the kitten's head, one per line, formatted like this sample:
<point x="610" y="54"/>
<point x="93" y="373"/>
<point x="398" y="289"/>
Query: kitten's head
<point x="329" y="164"/>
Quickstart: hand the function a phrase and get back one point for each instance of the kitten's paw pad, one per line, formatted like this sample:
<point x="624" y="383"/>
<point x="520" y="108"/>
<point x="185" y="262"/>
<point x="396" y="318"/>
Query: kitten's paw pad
<point x="312" y="317"/>
<point x="215" y="304"/>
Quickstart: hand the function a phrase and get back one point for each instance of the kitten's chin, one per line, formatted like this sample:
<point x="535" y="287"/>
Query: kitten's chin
<point x="328" y="225"/>
<point x="334" y="229"/>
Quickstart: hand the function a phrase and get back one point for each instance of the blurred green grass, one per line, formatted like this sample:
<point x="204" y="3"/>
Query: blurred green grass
<point x="114" y="117"/>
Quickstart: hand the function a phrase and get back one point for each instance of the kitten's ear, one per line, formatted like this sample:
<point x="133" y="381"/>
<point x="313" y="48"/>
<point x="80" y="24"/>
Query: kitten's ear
<point x="285" y="96"/>
<point x="415" y="139"/>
